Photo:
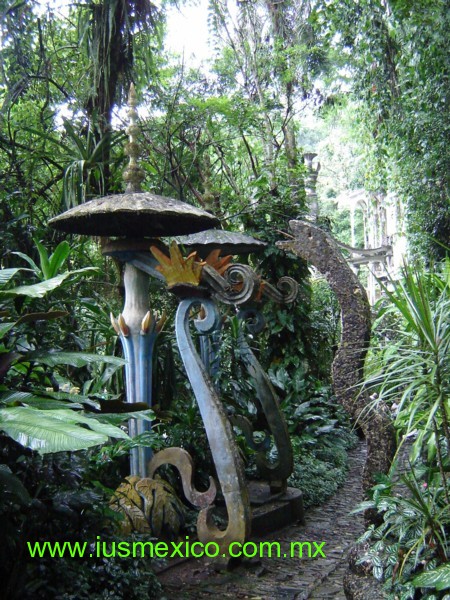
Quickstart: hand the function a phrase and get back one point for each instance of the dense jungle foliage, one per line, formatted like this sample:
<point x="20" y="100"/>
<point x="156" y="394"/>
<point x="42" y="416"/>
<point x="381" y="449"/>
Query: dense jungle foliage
<point x="364" y="83"/>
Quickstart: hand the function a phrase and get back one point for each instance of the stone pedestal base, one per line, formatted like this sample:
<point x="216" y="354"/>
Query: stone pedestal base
<point x="271" y="512"/>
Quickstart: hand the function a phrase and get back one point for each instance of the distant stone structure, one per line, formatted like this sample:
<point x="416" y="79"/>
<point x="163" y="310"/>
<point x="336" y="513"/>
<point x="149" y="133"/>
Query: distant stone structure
<point x="318" y="248"/>
<point x="384" y="241"/>
<point x="384" y="244"/>
<point x="311" y="183"/>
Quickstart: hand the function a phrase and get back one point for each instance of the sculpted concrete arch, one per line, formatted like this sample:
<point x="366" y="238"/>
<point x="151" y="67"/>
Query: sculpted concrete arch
<point x="317" y="247"/>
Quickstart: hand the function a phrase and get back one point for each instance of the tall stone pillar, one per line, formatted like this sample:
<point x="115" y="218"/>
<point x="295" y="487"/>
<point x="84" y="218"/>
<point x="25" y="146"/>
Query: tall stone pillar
<point x="311" y="183"/>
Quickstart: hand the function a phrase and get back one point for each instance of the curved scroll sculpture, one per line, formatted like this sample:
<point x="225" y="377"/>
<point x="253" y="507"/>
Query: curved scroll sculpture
<point x="225" y="453"/>
<point x="279" y="471"/>
<point x="247" y="429"/>
<point x="285" y="292"/>
<point x="237" y="285"/>
<point x="210" y="345"/>
<point x="317" y="247"/>
<point x="182" y="460"/>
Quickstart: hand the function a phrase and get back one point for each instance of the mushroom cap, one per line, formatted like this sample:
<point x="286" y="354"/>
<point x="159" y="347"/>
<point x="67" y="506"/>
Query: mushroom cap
<point x="134" y="214"/>
<point x="229" y="242"/>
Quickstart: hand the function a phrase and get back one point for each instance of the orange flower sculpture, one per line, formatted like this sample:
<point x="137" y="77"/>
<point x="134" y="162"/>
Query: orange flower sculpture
<point x="220" y="264"/>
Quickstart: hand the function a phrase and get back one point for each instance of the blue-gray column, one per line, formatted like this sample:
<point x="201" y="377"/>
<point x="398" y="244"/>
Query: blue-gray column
<point x="137" y="329"/>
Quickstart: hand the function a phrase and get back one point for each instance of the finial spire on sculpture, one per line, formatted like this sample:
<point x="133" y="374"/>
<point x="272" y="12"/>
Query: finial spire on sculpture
<point x="134" y="214"/>
<point x="133" y="174"/>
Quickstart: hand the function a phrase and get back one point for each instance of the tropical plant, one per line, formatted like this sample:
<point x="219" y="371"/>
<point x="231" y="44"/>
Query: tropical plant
<point x="410" y="372"/>
<point x="413" y="536"/>
<point x="65" y="499"/>
<point x="325" y="325"/>
<point x="44" y="420"/>
<point x="412" y="369"/>
<point x="32" y="411"/>
<point x="321" y="437"/>
<point x="83" y="159"/>
<point x="436" y="579"/>
<point x="149" y="506"/>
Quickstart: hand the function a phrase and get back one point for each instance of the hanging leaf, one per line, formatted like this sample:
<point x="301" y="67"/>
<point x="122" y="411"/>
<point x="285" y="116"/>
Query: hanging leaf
<point x="68" y="415"/>
<point x="49" y="404"/>
<point x="12" y="489"/>
<point x="70" y="397"/>
<point x="53" y="431"/>
<point x="7" y="274"/>
<point x="34" y="400"/>
<point x="30" y="261"/>
<point x="116" y="419"/>
<point x="38" y="290"/>
<point x="74" y="359"/>
<point x="4" y="328"/>
<point x="42" y="316"/>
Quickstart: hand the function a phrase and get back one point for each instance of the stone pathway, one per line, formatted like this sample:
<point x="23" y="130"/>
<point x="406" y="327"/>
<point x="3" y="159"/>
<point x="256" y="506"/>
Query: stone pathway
<point x="285" y="578"/>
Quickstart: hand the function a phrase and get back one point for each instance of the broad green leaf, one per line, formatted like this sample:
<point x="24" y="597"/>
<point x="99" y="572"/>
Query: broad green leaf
<point x="7" y="274"/>
<point x="325" y="429"/>
<point x="77" y="417"/>
<point x="15" y="397"/>
<point x="54" y="431"/>
<point x="117" y="419"/>
<point x="39" y="290"/>
<point x="72" y="398"/>
<point x="38" y="430"/>
<point x="438" y="579"/>
<point x="42" y="316"/>
<point x="31" y="262"/>
<point x="43" y="403"/>
<point x="4" y="328"/>
<point x="302" y="408"/>
<point x="74" y="359"/>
